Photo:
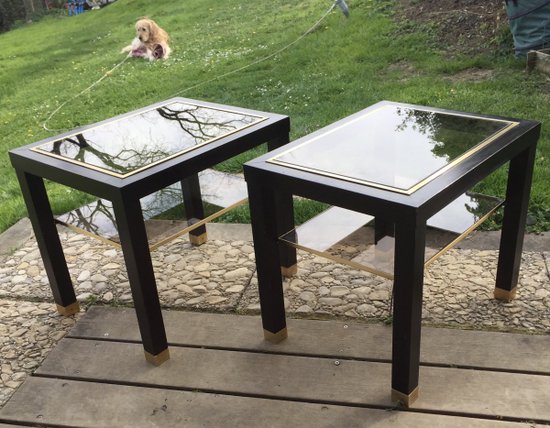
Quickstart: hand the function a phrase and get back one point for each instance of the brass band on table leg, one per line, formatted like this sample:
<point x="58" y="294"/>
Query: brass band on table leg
<point x="158" y="359"/>
<point x="288" y="271"/>
<point x="198" y="239"/>
<point x="505" y="295"/>
<point x="276" y="337"/>
<point x="406" y="399"/>
<point x="71" y="309"/>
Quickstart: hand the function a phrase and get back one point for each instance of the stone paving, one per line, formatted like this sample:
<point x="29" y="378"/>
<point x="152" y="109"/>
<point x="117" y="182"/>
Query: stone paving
<point x="220" y="276"/>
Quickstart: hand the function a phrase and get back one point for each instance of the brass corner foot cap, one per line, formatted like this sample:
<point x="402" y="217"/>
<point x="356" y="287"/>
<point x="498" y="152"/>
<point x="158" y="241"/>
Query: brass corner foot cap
<point x="288" y="271"/>
<point x="406" y="399"/>
<point x="276" y="337"/>
<point x="505" y="295"/>
<point x="71" y="309"/>
<point x="158" y="359"/>
<point x="198" y="239"/>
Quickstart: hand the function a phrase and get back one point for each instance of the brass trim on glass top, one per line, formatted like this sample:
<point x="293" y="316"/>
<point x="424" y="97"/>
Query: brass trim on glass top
<point x="37" y="149"/>
<point x="418" y="185"/>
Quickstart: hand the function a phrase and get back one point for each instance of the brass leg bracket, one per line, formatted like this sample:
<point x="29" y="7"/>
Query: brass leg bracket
<point x="158" y="359"/>
<point x="198" y="240"/>
<point x="505" y="295"/>
<point x="276" y="337"/>
<point x="289" y="271"/>
<point x="406" y="399"/>
<point x="71" y="309"/>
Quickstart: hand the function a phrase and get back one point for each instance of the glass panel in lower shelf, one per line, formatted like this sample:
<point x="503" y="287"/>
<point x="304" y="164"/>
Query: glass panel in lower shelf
<point x="163" y="211"/>
<point x="365" y="243"/>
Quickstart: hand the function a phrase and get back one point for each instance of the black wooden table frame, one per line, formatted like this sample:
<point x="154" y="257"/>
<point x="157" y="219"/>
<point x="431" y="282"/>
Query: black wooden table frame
<point x="271" y="188"/>
<point x="125" y="193"/>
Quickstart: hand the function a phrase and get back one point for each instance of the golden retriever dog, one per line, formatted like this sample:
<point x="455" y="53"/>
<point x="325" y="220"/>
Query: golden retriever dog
<point x="151" y="41"/>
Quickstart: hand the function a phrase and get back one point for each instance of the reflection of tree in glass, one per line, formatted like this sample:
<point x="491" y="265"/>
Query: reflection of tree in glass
<point x="161" y="201"/>
<point x="198" y="126"/>
<point x="98" y="218"/>
<point x="93" y="219"/>
<point x="200" y="123"/>
<point x="480" y="204"/>
<point x="451" y="135"/>
<point x="127" y="160"/>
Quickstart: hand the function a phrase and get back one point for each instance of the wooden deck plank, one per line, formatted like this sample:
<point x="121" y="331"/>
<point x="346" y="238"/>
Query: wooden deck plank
<point x="443" y="390"/>
<point x="490" y="350"/>
<point x="88" y="404"/>
<point x="12" y="426"/>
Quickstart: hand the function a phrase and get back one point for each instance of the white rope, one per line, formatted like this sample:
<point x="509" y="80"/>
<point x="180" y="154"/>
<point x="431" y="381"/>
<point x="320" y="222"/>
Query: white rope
<point x="313" y="27"/>
<point x="108" y="73"/>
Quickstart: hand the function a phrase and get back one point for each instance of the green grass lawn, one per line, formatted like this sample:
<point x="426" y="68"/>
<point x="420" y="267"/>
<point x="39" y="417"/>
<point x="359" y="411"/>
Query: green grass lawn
<point x="343" y="66"/>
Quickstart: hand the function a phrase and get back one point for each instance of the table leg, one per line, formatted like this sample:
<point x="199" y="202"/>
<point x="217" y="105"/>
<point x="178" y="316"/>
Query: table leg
<point x="278" y="142"/>
<point x="407" y="310"/>
<point x="47" y="238"/>
<point x="513" y="225"/>
<point x="194" y="210"/>
<point x="135" y="247"/>
<point x="285" y="222"/>
<point x="382" y="228"/>
<point x="263" y="213"/>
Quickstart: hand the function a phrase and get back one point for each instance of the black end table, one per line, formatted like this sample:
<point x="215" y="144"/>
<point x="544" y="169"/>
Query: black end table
<point x="399" y="166"/>
<point x="124" y="159"/>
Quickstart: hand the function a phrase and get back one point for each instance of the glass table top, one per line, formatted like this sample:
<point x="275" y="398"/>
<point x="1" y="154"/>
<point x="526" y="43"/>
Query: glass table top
<point x="394" y="147"/>
<point x="133" y="143"/>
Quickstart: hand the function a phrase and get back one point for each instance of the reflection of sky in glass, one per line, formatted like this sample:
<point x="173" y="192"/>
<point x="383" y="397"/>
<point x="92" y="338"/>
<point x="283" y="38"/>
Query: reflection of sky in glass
<point x="133" y="143"/>
<point x="392" y="146"/>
